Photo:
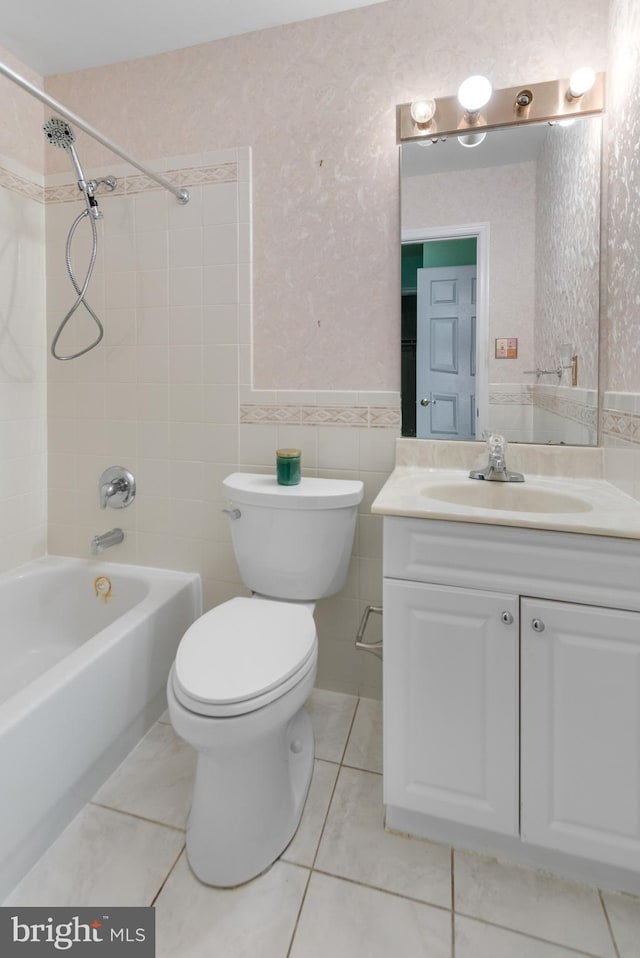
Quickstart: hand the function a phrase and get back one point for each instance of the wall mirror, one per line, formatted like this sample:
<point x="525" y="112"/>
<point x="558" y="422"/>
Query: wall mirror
<point x="500" y="250"/>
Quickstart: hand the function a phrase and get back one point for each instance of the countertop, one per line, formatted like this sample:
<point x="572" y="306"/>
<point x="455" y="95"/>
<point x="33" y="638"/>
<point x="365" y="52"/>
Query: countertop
<point x="423" y="465"/>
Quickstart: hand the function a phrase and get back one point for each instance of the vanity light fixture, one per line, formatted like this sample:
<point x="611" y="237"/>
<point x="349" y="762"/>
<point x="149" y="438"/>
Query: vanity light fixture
<point x="474" y="93"/>
<point x="423" y="111"/>
<point x="580" y="82"/>
<point x="477" y="108"/>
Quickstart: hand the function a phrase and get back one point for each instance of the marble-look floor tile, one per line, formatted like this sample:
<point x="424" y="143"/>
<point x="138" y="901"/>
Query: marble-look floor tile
<point x="356" y="846"/>
<point x="345" y="920"/>
<point x="475" y="939"/>
<point x="257" y="919"/>
<point x="102" y="858"/>
<point x="364" y="749"/>
<point x="304" y="844"/>
<point x="531" y="902"/>
<point x="331" y="714"/>
<point x="624" y="915"/>
<point x="155" y="781"/>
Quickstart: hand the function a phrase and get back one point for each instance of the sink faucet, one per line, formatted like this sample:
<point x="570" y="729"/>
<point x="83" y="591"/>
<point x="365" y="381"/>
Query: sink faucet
<point x="111" y="538"/>
<point x="496" y="468"/>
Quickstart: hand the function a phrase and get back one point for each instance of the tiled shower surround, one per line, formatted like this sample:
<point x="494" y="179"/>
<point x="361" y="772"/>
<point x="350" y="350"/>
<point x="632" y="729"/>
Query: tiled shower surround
<point x="169" y="396"/>
<point x="23" y="471"/>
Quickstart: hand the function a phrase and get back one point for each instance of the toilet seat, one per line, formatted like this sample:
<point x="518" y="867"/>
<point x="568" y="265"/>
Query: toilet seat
<point x="242" y="655"/>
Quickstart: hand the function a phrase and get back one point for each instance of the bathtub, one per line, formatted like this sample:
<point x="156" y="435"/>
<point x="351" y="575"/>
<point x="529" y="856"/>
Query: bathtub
<point x="85" y="650"/>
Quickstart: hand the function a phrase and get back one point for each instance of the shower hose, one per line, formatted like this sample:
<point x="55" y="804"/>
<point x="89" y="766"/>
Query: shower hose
<point x="80" y="290"/>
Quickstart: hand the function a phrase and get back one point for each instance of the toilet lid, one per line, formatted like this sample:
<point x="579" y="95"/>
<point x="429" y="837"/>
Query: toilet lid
<point x="242" y="649"/>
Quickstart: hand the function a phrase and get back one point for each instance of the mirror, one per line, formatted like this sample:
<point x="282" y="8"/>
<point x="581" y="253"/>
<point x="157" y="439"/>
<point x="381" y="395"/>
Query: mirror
<point x="500" y="284"/>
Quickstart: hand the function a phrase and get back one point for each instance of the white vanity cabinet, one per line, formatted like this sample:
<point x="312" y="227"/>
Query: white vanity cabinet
<point x="512" y="691"/>
<point x="580" y="770"/>
<point x="451" y="670"/>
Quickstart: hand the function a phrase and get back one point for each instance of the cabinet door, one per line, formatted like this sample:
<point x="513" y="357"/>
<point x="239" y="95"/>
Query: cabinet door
<point x="581" y="730"/>
<point x="451" y="703"/>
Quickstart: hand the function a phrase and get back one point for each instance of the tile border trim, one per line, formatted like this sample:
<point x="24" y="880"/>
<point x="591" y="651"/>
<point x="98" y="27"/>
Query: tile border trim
<point x="19" y="184"/>
<point x="619" y="424"/>
<point x="567" y="407"/>
<point x="139" y="183"/>
<point x="295" y="414"/>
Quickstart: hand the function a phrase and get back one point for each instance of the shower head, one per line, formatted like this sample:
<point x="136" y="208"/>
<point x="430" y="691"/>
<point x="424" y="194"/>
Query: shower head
<point x="60" y="134"/>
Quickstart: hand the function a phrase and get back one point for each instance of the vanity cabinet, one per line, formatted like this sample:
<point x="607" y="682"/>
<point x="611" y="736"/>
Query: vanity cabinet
<point x="451" y="670"/>
<point x="580" y="768"/>
<point x="512" y="689"/>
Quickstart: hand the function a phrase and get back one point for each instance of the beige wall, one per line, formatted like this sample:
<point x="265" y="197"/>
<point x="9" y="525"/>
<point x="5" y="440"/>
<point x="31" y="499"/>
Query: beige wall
<point x="316" y="101"/>
<point x="621" y="339"/>
<point x="568" y="248"/>
<point x="21" y="137"/>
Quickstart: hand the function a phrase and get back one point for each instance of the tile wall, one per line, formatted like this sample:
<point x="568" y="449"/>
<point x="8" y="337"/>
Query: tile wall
<point x="169" y="395"/>
<point x="22" y="366"/>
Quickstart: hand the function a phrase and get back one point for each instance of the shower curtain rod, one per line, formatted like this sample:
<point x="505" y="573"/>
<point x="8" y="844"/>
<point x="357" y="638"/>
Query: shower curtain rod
<point x="181" y="195"/>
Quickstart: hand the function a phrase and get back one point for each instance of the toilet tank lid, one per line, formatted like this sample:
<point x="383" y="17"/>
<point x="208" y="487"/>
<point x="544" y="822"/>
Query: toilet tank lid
<point x="310" y="493"/>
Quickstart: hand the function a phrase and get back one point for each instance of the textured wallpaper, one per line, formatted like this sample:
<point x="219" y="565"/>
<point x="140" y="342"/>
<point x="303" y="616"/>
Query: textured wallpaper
<point x="623" y="310"/>
<point x="21" y="136"/>
<point x="316" y="101"/>
<point x="568" y="248"/>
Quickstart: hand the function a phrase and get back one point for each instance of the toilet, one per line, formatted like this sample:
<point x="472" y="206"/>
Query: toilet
<point x="243" y="671"/>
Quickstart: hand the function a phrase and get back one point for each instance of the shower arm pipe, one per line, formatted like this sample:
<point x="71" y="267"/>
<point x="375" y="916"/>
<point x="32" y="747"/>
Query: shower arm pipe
<point x="180" y="194"/>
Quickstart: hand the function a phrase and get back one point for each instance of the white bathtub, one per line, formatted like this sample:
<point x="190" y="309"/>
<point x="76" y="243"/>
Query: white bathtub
<point x="82" y="678"/>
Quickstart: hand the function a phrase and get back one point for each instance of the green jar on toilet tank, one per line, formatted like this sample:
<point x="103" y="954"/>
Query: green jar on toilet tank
<point x="288" y="466"/>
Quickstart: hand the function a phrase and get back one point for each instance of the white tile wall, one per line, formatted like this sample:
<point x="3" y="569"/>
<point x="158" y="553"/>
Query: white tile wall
<point x="22" y="378"/>
<point x="621" y="438"/>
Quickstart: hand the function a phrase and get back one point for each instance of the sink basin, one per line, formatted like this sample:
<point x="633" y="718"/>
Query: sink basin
<point x="506" y="496"/>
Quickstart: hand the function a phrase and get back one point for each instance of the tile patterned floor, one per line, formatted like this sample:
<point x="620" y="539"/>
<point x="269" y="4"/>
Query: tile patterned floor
<point x="344" y="887"/>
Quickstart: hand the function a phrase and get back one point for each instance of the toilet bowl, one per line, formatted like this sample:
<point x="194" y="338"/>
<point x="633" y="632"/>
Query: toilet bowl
<point x="243" y="671"/>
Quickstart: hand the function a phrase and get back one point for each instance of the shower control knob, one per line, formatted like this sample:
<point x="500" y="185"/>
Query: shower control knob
<point x="117" y="488"/>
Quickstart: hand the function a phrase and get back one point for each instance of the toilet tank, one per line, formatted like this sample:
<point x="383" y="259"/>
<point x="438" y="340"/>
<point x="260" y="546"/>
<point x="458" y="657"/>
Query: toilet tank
<point x="292" y="542"/>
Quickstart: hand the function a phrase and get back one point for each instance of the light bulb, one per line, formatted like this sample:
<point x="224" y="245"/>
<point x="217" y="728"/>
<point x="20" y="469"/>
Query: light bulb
<point x="581" y="81"/>
<point x="471" y="139"/>
<point x="423" y="111"/>
<point x="474" y="92"/>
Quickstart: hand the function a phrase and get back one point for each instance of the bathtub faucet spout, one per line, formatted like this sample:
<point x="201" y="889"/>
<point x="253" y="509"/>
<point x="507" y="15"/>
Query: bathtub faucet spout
<point x="104" y="541"/>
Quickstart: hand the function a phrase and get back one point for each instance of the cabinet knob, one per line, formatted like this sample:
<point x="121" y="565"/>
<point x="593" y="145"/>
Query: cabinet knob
<point x="537" y="625"/>
<point x="425" y="402"/>
<point x="507" y="618"/>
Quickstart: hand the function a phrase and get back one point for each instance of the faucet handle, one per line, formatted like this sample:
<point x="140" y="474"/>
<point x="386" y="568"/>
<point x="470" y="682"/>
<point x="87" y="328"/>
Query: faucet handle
<point x="117" y="488"/>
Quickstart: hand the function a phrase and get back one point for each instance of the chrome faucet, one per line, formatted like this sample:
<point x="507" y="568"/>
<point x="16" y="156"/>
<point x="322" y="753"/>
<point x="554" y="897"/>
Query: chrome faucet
<point x="111" y="538"/>
<point x="117" y="488"/>
<point x="496" y="468"/>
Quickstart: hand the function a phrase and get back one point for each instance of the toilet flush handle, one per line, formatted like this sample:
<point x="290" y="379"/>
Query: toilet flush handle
<point x="233" y="513"/>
